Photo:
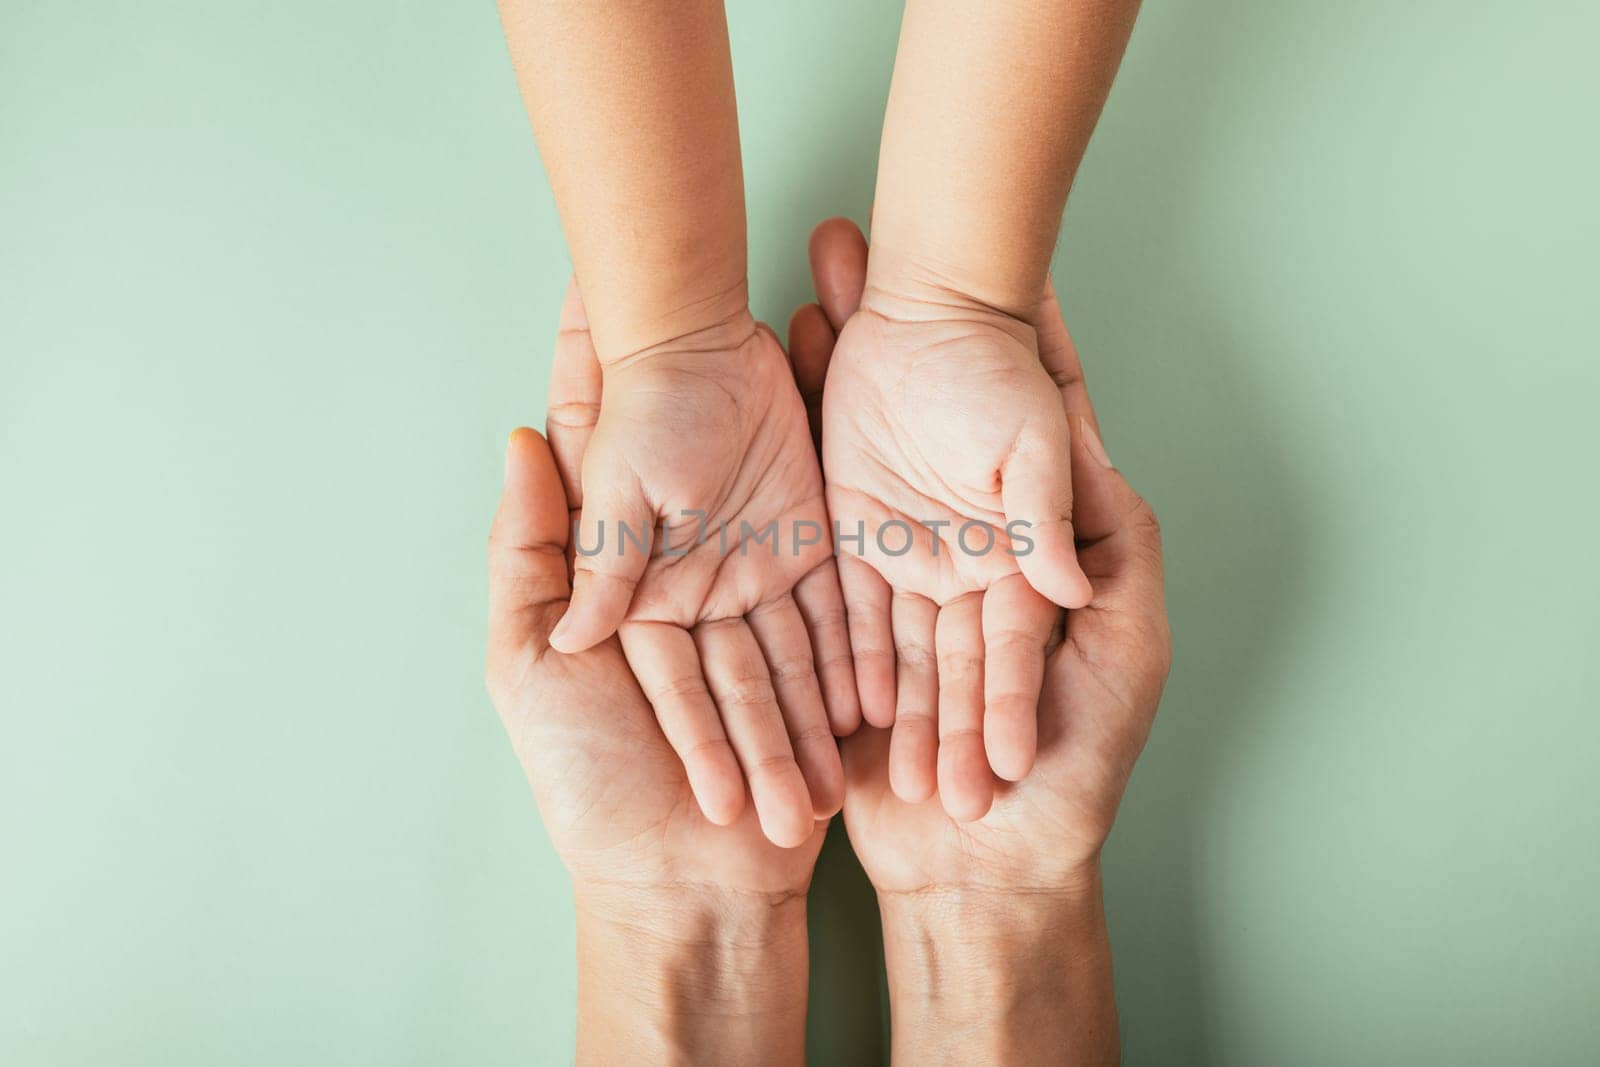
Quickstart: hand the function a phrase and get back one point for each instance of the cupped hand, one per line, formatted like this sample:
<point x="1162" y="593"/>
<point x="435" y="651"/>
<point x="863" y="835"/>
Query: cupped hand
<point x="612" y="792"/>
<point x="1101" y="681"/>
<point x="943" y="443"/>
<point x="1101" y="687"/>
<point x="701" y="523"/>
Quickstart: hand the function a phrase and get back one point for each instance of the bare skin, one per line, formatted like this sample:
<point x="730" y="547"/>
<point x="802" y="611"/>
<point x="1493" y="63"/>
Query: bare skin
<point x="701" y="446"/>
<point x="942" y="423"/>
<point x="692" y="936"/>
<point x="994" y="930"/>
<point x="939" y="413"/>
<point x="742" y="698"/>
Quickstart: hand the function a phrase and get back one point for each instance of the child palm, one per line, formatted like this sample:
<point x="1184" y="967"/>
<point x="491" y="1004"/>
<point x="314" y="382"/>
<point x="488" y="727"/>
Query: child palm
<point x="944" y="423"/>
<point x="705" y="449"/>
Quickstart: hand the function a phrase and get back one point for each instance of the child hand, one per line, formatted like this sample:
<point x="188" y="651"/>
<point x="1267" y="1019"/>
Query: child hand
<point x="945" y="440"/>
<point x="685" y="457"/>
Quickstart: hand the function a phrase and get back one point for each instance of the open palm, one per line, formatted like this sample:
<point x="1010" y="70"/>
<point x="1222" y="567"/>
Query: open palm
<point x="925" y="422"/>
<point x="1101" y="688"/>
<point x="613" y="794"/>
<point x="708" y="446"/>
<point x="943" y="440"/>
<point x="1102" y="676"/>
<point x="735" y="629"/>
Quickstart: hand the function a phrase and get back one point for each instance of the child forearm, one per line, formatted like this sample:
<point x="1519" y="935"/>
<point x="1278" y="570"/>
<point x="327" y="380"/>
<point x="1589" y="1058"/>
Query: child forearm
<point x="632" y="103"/>
<point x="989" y="113"/>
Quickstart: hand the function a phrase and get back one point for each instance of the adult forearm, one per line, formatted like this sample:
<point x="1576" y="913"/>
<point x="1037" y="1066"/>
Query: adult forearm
<point x="990" y="110"/>
<point x="691" y="976"/>
<point x="992" y="977"/>
<point x="633" y="107"/>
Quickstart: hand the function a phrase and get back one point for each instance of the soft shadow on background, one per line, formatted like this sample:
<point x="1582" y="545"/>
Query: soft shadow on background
<point x="275" y="282"/>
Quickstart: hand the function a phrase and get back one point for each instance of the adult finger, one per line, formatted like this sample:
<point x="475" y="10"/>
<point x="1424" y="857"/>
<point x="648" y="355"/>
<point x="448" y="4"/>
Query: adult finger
<point x="867" y="602"/>
<point x="786" y="646"/>
<point x="810" y="348"/>
<point x="914" y="744"/>
<point x="838" y="254"/>
<point x="742" y="687"/>
<point x="966" y="785"/>
<point x="664" y="659"/>
<point x="1059" y="354"/>
<point x="821" y="604"/>
<point x="527" y="570"/>
<point x="1120" y="532"/>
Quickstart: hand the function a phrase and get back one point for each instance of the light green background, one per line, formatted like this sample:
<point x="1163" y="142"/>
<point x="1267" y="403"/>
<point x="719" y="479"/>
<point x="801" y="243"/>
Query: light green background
<point x="276" y="279"/>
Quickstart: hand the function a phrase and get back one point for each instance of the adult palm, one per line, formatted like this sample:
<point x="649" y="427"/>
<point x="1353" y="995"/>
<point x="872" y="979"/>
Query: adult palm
<point x="613" y="794"/>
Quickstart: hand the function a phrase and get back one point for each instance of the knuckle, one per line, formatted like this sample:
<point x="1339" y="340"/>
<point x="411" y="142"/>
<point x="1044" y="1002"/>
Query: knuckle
<point x="836" y="660"/>
<point x="685" y="687"/>
<point x="1064" y="377"/>
<point x="772" y="766"/>
<point x="1013" y="642"/>
<point x="747" y="692"/>
<point x="587" y="567"/>
<point x="827" y="619"/>
<point x="812" y="735"/>
<point x="1011" y="699"/>
<point x="572" y="414"/>
<point x="959" y="664"/>
<point x="797" y="669"/>
<point x="709" y="746"/>
<point x="914" y="656"/>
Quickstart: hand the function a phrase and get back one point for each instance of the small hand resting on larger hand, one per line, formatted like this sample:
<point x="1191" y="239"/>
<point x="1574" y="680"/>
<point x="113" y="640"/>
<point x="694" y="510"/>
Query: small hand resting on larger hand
<point x="706" y="441"/>
<point x="993" y="929"/>
<point x="687" y="930"/>
<point x="701" y="427"/>
<point x="943" y="418"/>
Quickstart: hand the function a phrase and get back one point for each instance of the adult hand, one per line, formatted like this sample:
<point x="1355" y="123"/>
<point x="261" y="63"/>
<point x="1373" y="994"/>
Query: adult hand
<point x="692" y="936"/>
<point x="741" y="649"/>
<point x="993" y="928"/>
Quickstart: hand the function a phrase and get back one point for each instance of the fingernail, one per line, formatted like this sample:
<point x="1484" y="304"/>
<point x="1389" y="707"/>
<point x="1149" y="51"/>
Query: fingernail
<point x="560" y="632"/>
<point x="511" y="440"/>
<point x="1091" y="441"/>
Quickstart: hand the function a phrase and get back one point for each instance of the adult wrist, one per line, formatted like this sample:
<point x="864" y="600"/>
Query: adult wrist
<point x="982" y="974"/>
<point x="690" y="973"/>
